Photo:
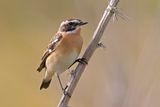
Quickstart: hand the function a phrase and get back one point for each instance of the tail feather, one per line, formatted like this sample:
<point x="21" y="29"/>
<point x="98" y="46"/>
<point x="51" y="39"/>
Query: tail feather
<point x="45" y="84"/>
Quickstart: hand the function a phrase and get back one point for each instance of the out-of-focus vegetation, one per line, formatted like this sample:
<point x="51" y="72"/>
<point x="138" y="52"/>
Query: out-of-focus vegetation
<point x="125" y="74"/>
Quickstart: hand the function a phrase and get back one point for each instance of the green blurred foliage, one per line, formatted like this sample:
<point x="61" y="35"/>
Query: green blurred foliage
<point x="126" y="73"/>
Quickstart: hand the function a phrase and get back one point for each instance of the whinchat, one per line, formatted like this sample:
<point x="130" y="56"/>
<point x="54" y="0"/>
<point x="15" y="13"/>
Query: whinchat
<point x="62" y="51"/>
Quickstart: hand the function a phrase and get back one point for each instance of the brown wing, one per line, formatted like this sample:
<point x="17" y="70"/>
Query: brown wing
<point x="51" y="48"/>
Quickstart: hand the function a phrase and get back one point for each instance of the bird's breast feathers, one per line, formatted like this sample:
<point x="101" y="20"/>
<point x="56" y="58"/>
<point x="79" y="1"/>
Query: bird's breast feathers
<point x="65" y="54"/>
<point x="57" y="62"/>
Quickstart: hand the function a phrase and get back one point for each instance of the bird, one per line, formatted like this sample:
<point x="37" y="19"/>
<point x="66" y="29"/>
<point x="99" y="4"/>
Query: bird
<point x="62" y="51"/>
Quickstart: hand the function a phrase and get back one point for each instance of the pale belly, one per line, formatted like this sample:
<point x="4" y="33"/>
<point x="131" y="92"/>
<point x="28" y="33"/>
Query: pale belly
<point x="65" y="62"/>
<point x="60" y="63"/>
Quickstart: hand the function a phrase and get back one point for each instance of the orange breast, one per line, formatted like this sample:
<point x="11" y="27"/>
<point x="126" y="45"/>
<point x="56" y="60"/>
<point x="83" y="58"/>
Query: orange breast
<point x="66" y="53"/>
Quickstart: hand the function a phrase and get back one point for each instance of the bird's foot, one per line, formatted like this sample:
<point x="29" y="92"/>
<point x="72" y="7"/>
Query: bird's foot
<point x="80" y="60"/>
<point x="65" y="92"/>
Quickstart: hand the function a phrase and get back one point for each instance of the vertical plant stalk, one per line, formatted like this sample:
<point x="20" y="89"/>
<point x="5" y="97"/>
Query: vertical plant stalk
<point x="110" y="10"/>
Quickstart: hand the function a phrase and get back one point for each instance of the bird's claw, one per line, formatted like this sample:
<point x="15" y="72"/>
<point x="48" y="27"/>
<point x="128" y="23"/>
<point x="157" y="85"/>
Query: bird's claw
<point x="65" y="92"/>
<point x="80" y="60"/>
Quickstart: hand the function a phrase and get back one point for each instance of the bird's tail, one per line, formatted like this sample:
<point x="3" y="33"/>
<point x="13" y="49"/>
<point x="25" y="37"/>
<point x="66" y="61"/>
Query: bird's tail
<point x="45" y="84"/>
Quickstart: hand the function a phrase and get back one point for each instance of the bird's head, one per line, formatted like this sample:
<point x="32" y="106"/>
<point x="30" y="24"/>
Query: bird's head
<point x="71" y="25"/>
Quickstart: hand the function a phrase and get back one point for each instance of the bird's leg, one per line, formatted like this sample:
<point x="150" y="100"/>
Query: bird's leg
<point x="63" y="89"/>
<point x="80" y="60"/>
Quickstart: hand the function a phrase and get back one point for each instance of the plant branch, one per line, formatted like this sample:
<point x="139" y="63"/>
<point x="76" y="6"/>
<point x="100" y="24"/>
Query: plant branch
<point x="110" y="10"/>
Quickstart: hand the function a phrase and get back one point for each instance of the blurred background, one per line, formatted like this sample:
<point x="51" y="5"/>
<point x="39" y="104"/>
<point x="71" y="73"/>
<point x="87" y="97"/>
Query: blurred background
<point x="125" y="74"/>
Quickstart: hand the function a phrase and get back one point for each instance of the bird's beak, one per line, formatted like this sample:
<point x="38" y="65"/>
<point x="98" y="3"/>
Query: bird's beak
<point x="83" y="23"/>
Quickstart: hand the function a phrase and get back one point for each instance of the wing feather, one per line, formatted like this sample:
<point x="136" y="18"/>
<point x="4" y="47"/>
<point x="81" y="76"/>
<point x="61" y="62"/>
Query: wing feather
<point x="51" y="48"/>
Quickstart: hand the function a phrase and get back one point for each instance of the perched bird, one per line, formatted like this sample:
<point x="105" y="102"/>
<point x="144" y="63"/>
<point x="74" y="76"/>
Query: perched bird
<point x="62" y="51"/>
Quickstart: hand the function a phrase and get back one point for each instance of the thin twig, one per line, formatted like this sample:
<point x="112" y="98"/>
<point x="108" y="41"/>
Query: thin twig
<point x="110" y="10"/>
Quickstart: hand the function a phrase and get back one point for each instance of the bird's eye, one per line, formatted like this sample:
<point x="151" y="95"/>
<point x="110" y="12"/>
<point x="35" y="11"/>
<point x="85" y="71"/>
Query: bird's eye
<point x="72" y="24"/>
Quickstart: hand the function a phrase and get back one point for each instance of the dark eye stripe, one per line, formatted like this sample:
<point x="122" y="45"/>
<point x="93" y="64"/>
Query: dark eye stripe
<point x="73" y="23"/>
